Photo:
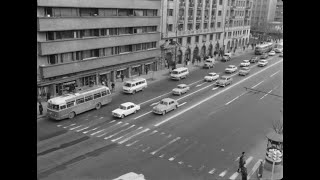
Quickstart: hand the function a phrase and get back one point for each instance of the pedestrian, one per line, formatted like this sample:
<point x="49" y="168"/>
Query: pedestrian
<point x="103" y="83"/>
<point x="122" y="77"/>
<point x="260" y="170"/>
<point x="146" y="70"/>
<point x="244" y="48"/>
<point x="106" y="83"/>
<point x="40" y="108"/>
<point x="112" y="85"/>
<point x="48" y="96"/>
<point x="244" y="173"/>
<point x="241" y="162"/>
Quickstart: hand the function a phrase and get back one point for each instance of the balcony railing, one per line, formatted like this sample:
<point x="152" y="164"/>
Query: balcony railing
<point x="181" y="20"/>
<point x="191" y="5"/>
<point x="199" y="6"/>
<point x="190" y="18"/>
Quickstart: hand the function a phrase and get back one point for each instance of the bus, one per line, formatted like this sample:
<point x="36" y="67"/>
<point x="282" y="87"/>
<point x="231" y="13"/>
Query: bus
<point x="263" y="48"/>
<point x="69" y="105"/>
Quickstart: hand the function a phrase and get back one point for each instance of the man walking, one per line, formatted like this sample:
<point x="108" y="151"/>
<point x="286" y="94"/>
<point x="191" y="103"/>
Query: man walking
<point x="260" y="170"/>
<point x="112" y="85"/>
<point x="244" y="173"/>
<point x="122" y="77"/>
<point x="40" y="108"/>
<point x="241" y="162"/>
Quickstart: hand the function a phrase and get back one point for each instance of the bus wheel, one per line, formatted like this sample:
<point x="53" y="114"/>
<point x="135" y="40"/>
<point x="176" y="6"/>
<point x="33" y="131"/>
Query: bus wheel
<point x="98" y="106"/>
<point x="71" y="115"/>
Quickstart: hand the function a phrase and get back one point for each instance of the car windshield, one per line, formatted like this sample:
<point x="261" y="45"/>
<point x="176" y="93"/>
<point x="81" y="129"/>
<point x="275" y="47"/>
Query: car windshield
<point x="223" y="78"/>
<point x="230" y="66"/>
<point x="122" y="107"/>
<point x="127" y="84"/>
<point x="174" y="72"/>
<point x="211" y="74"/>
<point x="245" y="61"/>
<point x="163" y="102"/>
<point x="208" y="61"/>
<point x="180" y="87"/>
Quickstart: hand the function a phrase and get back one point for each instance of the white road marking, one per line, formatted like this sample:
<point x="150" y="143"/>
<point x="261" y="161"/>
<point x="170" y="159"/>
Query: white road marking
<point x="257" y="84"/>
<point x="214" y="88"/>
<point x="113" y="140"/>
<point x="145" y="130"/>
<point x="143" y="115"/>
<point x="119" y="132"/>
<point x="274" y="73"/>
<point x="161" y="156"/>
<point x="255" y="167"/>
<point x="180" y="162"/>
<point x="162" y="133"/>
<point x="85" y="132"/>
<point x="100" y="117"/>
<point x="248" y="161"/>
<point x="234" y="176"/>
<point x="155" y="103"/>
<point x="137" y="147"/>
<point x="195" y="82"/>
<point x="132" y="143"/>
<point x="194" y="92"/>
<point x="69" y="125"/>
<point x="212" y="171"/>
<point x="171" y="159"/>
<point x="144" y="150"/>
<point x="237" y="158"/>
<point x="266" y="94"/>
<point x="182" y="104"/>
<point x="98" y="131"/>
<point x="172" y="141"/>
<point x="108" y="132"/>
<point x="59" y="125"/>
<point x="112" y="121"/>
<point x="153" y="132"/>
<point x="232" y="100"/>
<point x="83" y="129"/>
<point x="169" y="136"/>
<point x="154" y="98"/>
<point x="185" y="150"/>
<point x="216" y="94"/>
<point x="200" y="84"/>
<point x="75" y="127"/>
<point x="223" y="173"/>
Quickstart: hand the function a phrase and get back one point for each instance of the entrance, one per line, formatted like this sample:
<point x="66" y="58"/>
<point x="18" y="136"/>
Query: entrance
<point x="65" y="88"/>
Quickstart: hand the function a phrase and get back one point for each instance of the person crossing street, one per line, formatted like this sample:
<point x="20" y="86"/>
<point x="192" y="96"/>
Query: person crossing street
<point x="241" y="162"/>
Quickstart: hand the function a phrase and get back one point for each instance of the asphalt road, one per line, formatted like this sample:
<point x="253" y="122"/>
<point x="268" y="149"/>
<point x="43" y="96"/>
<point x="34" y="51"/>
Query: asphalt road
<point x="200" y="140"/>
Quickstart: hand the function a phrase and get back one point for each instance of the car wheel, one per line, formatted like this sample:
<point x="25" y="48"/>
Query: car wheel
<point x="133" y="92"/>
<point x="71" y="115"/>
<point x="176" y="107"/>
<point x="122" y="116"/>
<point x="163" y="113"/>
<point x="98" y="106"/>
<point x="135" y="112"/>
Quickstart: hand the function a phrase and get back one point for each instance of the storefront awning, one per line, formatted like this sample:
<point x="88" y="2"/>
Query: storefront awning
<point x="135" y="66"/>
<point x="104" y="73"/>
<point x="68" y="83"/>
<point x="121" y="69"/>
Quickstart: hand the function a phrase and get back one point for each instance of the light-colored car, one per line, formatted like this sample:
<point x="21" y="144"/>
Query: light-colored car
<point x="262" y="63"/>
<point x="281" y="54"/>
<point x="211" y="76"/>
<point x="278" y="50"/>
<point x="126" y="109"/>
<point x="165" y="105"/>
<point x="209" y="63"/>
<point x="181" y="89"/>
<point x="244" y="71"/>
<point x="264" y="56"/>
<point x="254" y="59"/>
<point x="231" y="69"/>
<point x="224" y="80"/>
<point x="226" y="57"/>
<point x="245" y="63"/>
<point x="272" y="53"/>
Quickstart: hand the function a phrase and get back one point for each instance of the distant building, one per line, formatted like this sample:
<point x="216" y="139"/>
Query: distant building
<point x="85" y="42"/>
<point x="263" y="12"/>
<point x="279" y="11"/>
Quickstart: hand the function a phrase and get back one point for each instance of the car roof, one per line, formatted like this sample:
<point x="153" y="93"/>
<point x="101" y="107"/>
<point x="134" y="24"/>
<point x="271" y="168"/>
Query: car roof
<point x="245" y="68"/>
<point x="245" y="60"/>
<point x="167" y="99"/>
<point x="224" y="76"/>
<point x="231" y="65"/>
<point x="127" y="104"/>
<point x="182" y="85"/>
<point x="213" y="73"/>
<point x="135" y="80"/>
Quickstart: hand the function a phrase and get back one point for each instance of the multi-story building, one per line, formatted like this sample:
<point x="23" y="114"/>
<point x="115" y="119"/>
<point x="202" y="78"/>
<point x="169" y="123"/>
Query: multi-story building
<point x="83" y="42"/>
<point x="279" y="11"/>
<point x="263" y="12"/>
<point x="202" y="26"/>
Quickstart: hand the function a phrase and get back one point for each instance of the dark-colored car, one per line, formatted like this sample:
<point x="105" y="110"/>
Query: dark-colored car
<point x="254" y="59"/>
<point x="264" y="56"/>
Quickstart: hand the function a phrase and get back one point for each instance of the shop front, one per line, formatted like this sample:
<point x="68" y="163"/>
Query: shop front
<point x="65" y="88"/>
<point x="149" y="67"/>
<point x="136" y="70"/>
<point x="124" y="71"/>
<point x="105" y="77"/>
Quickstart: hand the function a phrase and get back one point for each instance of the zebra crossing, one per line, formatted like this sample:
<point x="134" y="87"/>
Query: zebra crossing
<point x="164" y="145"/>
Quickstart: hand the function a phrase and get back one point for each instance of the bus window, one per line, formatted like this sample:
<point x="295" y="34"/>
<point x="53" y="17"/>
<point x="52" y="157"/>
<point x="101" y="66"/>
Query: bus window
<point x="108" y="92"/>
<point x="55" y="107"/>
<point x="62" y="107"/>
<point x="71" y="103"/>
<point x="88" y="98"/>
<point x="103" y="93"/>
<point x="79" y="101"/>
<point x="95" y="96"/>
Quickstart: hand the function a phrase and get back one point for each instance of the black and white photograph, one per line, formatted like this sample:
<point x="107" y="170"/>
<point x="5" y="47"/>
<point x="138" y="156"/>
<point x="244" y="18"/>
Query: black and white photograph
<point x="159" y="89"/>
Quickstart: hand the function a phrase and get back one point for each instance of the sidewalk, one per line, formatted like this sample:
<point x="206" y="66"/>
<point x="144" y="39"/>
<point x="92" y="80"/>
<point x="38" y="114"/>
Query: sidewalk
<point x="151" y="77"/>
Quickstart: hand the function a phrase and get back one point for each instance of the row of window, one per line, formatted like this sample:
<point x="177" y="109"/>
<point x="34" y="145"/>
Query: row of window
<point x="78" y="34"/>
<point x="105" y="12"/>
<point x="95" y="53"/>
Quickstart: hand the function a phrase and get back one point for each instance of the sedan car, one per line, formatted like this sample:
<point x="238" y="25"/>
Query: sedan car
<point x="262" y="63"/>
<point x="245" y="63"/>
<point x="211" y="76"/>
<point x="226" y="57"/>
<point x="244" y="71"/>
<point x="231" y="69"/>
<point x="278" y="50"/>
<point x="181" y="89"/>
<point x="272" y="53"/>
<point x="254" y="59"/>
<point x="165" y="105"/>
<point x="264" y="56"/>
<point x="223" y="81"/>
<point x="125" y="109"/>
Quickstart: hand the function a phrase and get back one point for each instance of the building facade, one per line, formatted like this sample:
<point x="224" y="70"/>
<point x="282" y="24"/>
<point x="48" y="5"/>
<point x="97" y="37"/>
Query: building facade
<point x="81" y="43"/>
<point x="279" y="11"/>
<point x="263" y="12"/>
<point x="201" y="27"/>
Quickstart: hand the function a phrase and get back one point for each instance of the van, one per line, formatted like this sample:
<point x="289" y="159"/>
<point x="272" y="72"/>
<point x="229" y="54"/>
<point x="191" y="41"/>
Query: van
<point x="226" y="57"/>
<point x="134" y="85"/>
<point x="209" y="63"/>
<point x="179" y="73"/>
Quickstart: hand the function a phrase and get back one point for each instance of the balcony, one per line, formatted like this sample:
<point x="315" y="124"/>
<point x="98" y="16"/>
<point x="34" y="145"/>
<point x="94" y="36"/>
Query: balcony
<point x="214" y="5"/>
<point x="85" y="65"/>
<point x="233" y="6"/>
<point x="199" y="6"/>
<point x="198" y="19"/>
<point x="190" y="19"/>
<point x="62" y="46"/>
<point x="181" y="20"/>
<point x="78" y="23"/>
<point x="191" y="5"/>
<point x="248" y="7"/>
<point x="182" y="5"/>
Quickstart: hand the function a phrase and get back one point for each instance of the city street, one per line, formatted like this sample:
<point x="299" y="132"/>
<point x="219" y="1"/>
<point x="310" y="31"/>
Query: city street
<point x="202" y="139"/>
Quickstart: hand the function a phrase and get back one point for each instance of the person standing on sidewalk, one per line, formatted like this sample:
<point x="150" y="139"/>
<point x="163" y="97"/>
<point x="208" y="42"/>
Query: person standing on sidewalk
<point x="241" y="162"/>
<point x="244" y="47"/>
<point x="122" y="77"/>
<point x="40" y="108"/>
<point x="146" y="70"/>
<point x="112" y="85"/>
<point x="260" y="170"/>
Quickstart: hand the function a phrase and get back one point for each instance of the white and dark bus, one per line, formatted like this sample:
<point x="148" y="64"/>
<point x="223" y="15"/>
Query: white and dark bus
<point x="69" y="105"/>
<point x="263" y="48"/>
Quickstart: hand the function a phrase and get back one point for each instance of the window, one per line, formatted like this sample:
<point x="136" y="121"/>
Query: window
<point x="66" y="57"/>
<point x="170" y="12"/>
<point x="88" y="11"/>
<point x="204" y="38"/>
<point x="97" y="95"/>
<point x="125" y="49"/>
<point x="50" y="35"/>
<point x="197" y="38"/>
<point x="53" y="59"/>
<point x="180" y="41"/>
<point x="170" y="27"/>
<point x="79" y="101"/>
<point x="108" y="12"/>
<point x="62" y="107"/>
<point x="125" y="30"/>
<point x="125" y="12"/>
<point x="219" y="13"/>
<point x="212" y="25"/>
<point x="188" y="40"/>
<point x="219" y="24"/>
<point x="218" y="35"/>
<point x="189" y="26"/>
<point x="103" y="93"/>
<point x="211" y="36"/>
<point x="220" y="2"/>
<point x="113" y="31"/>
<point x="71" y="103"/>
<point x="48" y="11"/>
<point x="64" y="34"/>
<point x="88" y="98"/>
<point x="180" y="27"/>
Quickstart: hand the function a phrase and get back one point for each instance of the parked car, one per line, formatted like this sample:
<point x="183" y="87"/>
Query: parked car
<point x="126" y="109"/>
<point x="262" y="63"/>
<point x="245" y="63"/>
<point x="254" y="59"/>
<point x="271" y="53"/>
<point x="224" y="80"/>
<point x="244" y="71"/>
<point x="211" y="76"/>
<point x="231" y="69"/>
<point x="264" y="56"/>
<point x="181" y="89"/>
<point x="209" y="63"/>
<point x="281" y="54"/>
<point x="226" y="57"/>
<point x="165" y="105"/>
<point x="278" y="50"/>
